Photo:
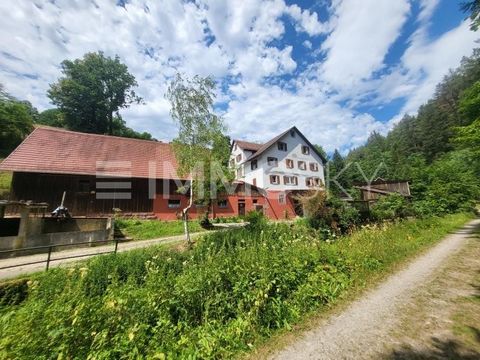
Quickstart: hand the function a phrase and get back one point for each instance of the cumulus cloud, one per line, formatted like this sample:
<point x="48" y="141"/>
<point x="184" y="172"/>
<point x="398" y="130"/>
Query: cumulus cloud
<point x="246" y="46"/>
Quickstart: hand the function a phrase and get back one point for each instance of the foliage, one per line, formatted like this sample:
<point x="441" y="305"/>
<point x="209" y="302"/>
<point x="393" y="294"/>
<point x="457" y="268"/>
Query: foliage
<point x="256" y="219"/>
<point x="228" y="219"/>
<point x="393" y="206"/>
<point x="424" y="148"/>
<point x="15" y="123"/>
<point x="200" y="148"/>
<point x="151" y="229"/>
<point x="326" y="212"/>
<point x="214" y="301"/>
<point x="5" y="183"/>
<point x="52" y="117"/>
<point x="472" y="7"/>
<point x="91" y="90"/>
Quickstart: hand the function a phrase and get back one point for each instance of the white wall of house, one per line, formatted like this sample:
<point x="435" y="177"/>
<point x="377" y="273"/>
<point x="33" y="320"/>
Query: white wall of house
<point x="261" y="175"/>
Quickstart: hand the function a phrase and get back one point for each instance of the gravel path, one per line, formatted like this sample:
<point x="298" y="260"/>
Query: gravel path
<point x="363" y="329"/>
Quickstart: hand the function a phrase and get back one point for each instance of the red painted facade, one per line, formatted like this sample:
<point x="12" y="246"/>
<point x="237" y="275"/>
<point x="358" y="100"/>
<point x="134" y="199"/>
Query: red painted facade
<point x="274" y="204"/>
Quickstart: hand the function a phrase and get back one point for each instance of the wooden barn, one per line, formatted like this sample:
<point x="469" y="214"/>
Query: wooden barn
<point x="376" y="189"/>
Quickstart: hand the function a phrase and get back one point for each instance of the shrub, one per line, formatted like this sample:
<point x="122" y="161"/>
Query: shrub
<point x="256" y="219"/>
<point x="391" y="207"/>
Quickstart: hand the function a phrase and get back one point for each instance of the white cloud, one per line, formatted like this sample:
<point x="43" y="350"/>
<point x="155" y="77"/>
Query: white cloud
<point x="362" y="34"/>
<point x="245" y="41"/>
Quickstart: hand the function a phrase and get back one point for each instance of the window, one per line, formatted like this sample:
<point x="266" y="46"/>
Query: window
<point x="292" y="133"/>
<point x="281" y="198"/>
<point x="313" y="181"/>
<point x="232" y="163"/>
<point x="274" y="179"/>
<point x="254" y="182"/>
<point x="313" y="167"/>
<point x="272" y="161"/>
<point x="290" y="180"/>
<point x="173" y="204"/>
<point x="254" y="164"/>
<point x="305" y="150"/>
<point x="282" y="146"/>
<point x="289" y="163"/>
<point x="239" y="157"/>
<point x="222" y="203"/>
<point x="84" y="186"/>
<point x="302" y="165"/>
<point x="240" y="171"/>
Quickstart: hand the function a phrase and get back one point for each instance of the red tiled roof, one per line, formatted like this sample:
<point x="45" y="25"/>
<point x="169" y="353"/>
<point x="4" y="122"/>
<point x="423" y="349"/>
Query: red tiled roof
<point x="54" y="150"/>
<point x="245" y="145"/>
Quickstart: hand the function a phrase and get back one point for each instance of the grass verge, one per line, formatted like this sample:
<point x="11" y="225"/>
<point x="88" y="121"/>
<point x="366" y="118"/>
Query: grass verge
<point x="151" y="229"/>
<point x="222" y="298"/>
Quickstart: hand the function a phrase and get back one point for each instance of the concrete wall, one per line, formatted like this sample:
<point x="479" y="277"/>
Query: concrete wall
<point x="39" y="231"/>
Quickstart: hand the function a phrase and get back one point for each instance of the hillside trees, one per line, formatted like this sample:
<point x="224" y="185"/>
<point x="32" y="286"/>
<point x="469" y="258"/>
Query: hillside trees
<point x="437" y="149"/>
<point x="16" y="122"/>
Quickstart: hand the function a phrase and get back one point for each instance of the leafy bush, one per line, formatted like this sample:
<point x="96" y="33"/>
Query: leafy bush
<point x="256" y="219"/>
<point x="391" y="207"/>
<point x="329" y="213"/>
<point x="214" y="301"/>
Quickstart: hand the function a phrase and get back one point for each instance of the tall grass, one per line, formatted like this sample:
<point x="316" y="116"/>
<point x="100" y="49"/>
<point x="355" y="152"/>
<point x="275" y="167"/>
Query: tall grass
<point x="151" y="229"/>
<point x="233" y="289"/>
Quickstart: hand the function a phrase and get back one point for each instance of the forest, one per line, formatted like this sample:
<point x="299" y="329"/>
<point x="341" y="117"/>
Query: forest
<point x="437" y="149"/>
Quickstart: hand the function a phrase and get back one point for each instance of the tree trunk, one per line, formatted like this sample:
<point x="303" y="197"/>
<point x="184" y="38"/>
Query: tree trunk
<point x="185" y="215"/>
<point x="110" y="123"/>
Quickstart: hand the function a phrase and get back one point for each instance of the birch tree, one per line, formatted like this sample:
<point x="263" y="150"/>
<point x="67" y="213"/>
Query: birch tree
<point x="200" y="135"/>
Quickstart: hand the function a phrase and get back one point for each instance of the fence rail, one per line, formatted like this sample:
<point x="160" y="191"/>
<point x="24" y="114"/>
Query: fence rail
<point x="49" y="250"/>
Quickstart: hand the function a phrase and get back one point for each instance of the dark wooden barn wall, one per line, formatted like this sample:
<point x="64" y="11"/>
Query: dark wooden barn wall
<point x="81" y="192"/>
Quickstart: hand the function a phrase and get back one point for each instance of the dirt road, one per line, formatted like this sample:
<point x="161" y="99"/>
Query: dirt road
<point x="409" y="316"/>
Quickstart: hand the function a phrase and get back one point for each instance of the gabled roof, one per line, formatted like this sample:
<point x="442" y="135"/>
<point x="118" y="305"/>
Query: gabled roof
<point x="59" y="151"/>
<point x="273" y="141"/>
<point x="246" y="145"/>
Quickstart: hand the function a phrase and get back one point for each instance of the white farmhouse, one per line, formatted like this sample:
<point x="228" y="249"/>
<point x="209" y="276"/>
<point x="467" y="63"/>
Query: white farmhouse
<point x="287" y="162"/>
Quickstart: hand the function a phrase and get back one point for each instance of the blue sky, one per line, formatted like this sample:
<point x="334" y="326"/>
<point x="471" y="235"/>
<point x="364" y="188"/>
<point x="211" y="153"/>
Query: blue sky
<point x="337" y="69"/>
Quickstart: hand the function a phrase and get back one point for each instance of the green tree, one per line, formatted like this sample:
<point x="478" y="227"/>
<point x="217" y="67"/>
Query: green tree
<point x="473" y="8"/>
<point x="52" y="117"/>
<point x="92" y="90"/>
<point x="15" y="123"/>
<point x="201" y="142"/>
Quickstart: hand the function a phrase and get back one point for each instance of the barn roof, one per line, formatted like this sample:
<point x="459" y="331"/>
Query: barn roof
<point x="59" y="151"/>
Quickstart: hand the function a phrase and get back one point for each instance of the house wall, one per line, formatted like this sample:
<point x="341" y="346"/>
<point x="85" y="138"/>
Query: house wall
<point x="294" y="152"/>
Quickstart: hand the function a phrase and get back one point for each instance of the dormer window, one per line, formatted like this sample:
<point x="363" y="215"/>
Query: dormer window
<point x="313" y="166"/>
<point x="282" y="146"/>
<point x="272" y="161"/>
<point x="305" y="150"/>
<point x="253" y="164"/>
<point x="239" y="157"/>
<point x="302" y="165"/>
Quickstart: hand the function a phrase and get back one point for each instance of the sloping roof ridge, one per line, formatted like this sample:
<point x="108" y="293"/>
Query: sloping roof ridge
<point x="53" y="128"/>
